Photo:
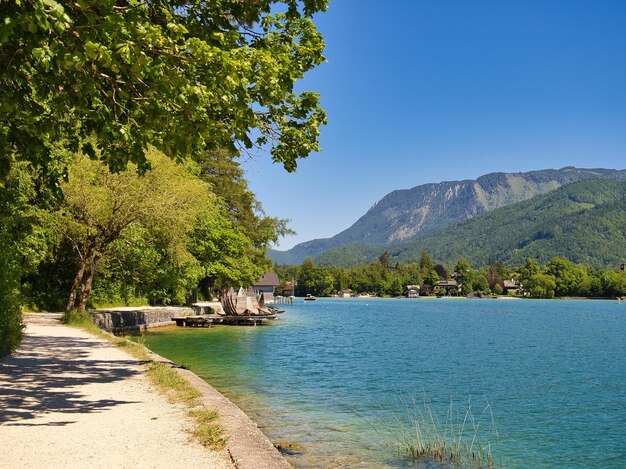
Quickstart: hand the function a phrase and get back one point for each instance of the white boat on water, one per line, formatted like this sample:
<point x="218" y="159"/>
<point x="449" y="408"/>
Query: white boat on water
<point x="309" y="298"/>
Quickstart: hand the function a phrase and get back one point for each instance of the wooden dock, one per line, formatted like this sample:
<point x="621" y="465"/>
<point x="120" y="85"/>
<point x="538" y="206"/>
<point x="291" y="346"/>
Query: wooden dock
<point x="197" y="321"/>
<point x="239" y="308"/>
<point x="248" y="320"/>
<point x="206" y="320"/>
<point x="284" y="300"/>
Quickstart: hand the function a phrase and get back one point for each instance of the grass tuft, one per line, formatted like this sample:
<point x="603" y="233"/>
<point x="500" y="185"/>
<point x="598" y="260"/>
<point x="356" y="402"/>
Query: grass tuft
<point x="207" y="432"/>
<point x="135" y="348"/>
<point x="81" y="320"/>
<point x="175" y="387"/>
<point x="458" y="438"/>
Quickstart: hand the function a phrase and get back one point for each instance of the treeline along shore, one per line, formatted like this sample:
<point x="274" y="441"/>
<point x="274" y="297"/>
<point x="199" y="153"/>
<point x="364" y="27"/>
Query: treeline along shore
<point x="558" y="278"/>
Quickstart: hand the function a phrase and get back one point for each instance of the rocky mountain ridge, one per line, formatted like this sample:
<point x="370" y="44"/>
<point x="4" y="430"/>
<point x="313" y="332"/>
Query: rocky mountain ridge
<point x="409" y="214"/>
<point x="583" y="221"/>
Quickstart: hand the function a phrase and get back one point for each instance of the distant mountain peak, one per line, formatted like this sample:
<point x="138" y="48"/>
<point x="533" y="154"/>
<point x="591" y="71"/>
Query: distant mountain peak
<point x="408" y="214"/>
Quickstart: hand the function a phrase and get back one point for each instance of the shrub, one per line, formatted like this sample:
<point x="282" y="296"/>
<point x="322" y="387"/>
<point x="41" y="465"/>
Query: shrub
<point x="10" y="313"/>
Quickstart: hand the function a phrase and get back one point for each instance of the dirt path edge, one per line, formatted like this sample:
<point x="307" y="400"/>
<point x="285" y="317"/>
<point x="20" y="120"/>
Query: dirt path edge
<point x="248" y="447"/>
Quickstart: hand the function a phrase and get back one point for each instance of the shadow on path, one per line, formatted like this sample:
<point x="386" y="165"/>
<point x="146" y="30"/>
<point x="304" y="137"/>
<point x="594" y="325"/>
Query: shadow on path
<point x="47" y="374"/>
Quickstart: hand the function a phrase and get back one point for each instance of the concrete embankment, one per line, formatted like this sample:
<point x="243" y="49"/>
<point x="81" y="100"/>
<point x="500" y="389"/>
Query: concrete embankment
<point x="249" y="448"/>
<point x="72" y="400"/>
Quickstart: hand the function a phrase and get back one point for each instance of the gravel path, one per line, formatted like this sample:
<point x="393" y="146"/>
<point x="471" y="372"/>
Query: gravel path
<point x="70" y="400"/>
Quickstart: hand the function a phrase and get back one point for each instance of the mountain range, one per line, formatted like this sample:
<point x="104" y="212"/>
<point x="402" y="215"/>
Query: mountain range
<point x="584" y="221"/>
<point x="411" y="215"/>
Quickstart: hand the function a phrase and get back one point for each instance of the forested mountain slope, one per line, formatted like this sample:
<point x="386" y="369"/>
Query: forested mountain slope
<point x="583" y="221"/>
<point x="411" y="214"/>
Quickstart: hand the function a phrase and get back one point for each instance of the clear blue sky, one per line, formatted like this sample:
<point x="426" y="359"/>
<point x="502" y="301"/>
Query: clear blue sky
<point x="427" y="91"/>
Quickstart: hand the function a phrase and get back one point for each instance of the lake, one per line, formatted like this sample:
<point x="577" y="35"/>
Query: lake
<point x="334" y="375"/>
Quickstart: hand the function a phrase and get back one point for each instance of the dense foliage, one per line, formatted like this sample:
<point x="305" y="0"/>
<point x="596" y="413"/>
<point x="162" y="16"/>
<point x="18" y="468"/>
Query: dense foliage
<point x="101" y="207"/>
<point x="24" y="238"/>
<point x="124" y="82"/>
<point x="184" y="77"/>
<point x="559" y="277"/>
<point x="582" y="221"/>
<point x="122" y="238"/>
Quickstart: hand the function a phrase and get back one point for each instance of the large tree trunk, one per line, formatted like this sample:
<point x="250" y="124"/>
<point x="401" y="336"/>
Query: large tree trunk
<point x="84" y="296"/>
<point x="78" y="281"/>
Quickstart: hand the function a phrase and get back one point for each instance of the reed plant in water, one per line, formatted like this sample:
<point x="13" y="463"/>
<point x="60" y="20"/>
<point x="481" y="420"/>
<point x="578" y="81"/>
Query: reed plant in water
<point x="457" y="437"/>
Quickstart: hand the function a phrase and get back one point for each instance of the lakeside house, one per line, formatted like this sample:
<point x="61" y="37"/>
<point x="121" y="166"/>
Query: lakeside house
<point x="426" y="289"/>
<point x="412" y="291"/>
<point x="447" y="287"/>
<point x="266" y="286"/>
<point x="344" y="293"/>
<point x="288" y="289"/>
<point x="512" y="286"/>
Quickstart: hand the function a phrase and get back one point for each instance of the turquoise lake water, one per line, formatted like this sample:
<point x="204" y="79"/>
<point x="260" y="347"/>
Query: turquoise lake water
<point x="330" y="375"/>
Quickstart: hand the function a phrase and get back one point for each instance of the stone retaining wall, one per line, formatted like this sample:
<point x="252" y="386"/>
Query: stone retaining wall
<point x="138" y="319"/>
<point x="145" y="317"/>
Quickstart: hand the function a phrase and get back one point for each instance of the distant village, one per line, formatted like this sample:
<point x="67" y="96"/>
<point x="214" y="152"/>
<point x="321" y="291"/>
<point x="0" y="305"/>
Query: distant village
<point x="270" y="288"/>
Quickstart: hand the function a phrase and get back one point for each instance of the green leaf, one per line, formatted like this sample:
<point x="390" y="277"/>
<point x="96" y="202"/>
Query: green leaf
<point x="91" y="49"/>
<point x="39" y="53"/>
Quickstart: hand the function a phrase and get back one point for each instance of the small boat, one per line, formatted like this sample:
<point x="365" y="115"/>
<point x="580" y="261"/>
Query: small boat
<point x="309" y="298"/>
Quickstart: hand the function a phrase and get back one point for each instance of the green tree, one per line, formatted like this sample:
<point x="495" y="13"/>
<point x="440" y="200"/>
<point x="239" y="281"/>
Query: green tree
<point x="24" y="240"/>
<point x="325" y="282"/>
<point x="530" y="269"/>
<point x="465" y="276"/>
<point x="184" y="77"/>
<point x="541" y="286"/>
<point x="412" y="273"/>
<point x="239" y="204"/>
<point x="315" y="280"/>
<point x="10" y="314"/>
<point x="377" y="274"/>
<point x="360" y="281"/>
<point x="160" y="275"/>
<point x="432" y="278"/>
<point x="613" y="283"/>
<point x="591" y="286"/>
<point x="227" y="255"/>
<point x="568" y="276"/>
<point x="394" y="285"/>
<point x="426" y="265"/>
<point x="480" y="283"/>
<point x="117" y="78"/>
<point x="100" y="206"/>
<point x="385" y="261"/>
<point x="343" y="279"/>
<point x="306" y="278"/>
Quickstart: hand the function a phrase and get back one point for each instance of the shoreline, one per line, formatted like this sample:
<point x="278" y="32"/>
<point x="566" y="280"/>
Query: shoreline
<point x="249" y="447"/>
<point x="130" y="408"/>
<point x="460" y="297"/>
